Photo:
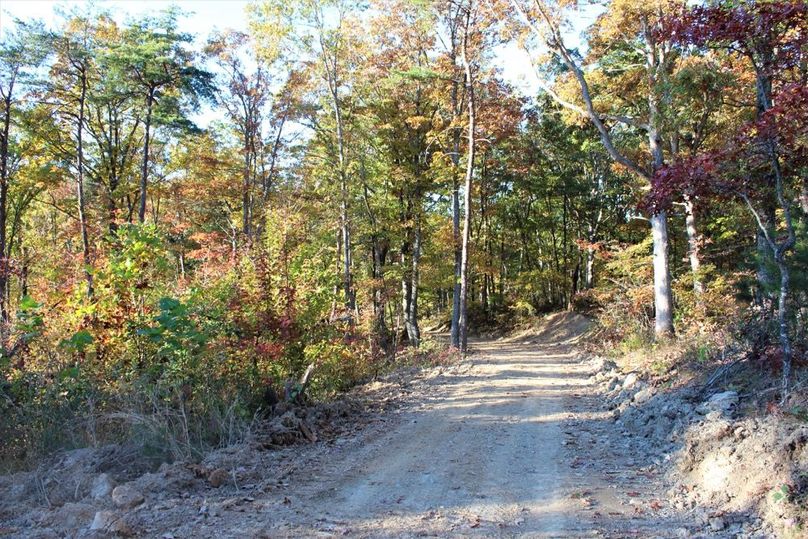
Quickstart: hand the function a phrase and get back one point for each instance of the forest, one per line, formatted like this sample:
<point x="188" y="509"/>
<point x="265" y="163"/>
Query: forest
<point x="370" y="182"/>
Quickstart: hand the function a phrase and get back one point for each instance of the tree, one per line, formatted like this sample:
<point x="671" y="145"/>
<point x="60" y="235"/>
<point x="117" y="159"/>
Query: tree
<point x="638" y="21"/>
<point x="70" y="85"/>
<point x="156" y="58"/>
<point x="20" y="54"/>
<point x="113" y="124"/>
<point x="764" y="161"/>
<point x="319" y="32"/>
<point x="469" y="14"/>
<point x="404" y="105"/>
<point x="247" y="95"/>
<point x="452" y="15"/>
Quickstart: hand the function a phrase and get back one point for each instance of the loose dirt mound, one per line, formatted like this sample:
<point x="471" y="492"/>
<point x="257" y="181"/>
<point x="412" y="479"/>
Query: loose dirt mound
<point x="757" y="464"/>
<point x="743" y="476"/>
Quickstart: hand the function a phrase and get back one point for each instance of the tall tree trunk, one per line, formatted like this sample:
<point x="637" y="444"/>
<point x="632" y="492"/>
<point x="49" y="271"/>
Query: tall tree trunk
<point x="782" y="322"/>
<point x="765" y="260"/>
<point x="693" y="244"/>
<point x="455" y="153"/>
<point x="347" y="280"/>
<point x="379" y="325"/>
<point x="590" y="268"/>
<point x="412" y="323"/>
<point x="455" y="329"/>
<point x="663" y="296"/>
<point x="780" y="251"/>
<point x="592" y="234"/>
<point x="85" y="241"/>
<point x="693" y="237"/>
<point x="765" y="279"/>
<point x="464" y="257"/>
<point x="112" y="144"/>
<point x="245" y="187"/>
<point x="4" y="262"/>
<point x="406" y="288"/>
<point x="144" y="173"/>
<point x="338" y="270"/>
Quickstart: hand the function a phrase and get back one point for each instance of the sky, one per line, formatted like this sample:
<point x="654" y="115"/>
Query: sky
<point x="204" y="16"/>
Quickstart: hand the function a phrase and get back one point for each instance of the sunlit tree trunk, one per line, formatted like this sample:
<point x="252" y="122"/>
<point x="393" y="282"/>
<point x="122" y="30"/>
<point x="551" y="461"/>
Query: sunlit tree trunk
<point x="85" y="241"/>
<point x="663" y="296"/>
<point x="693" y="244"/>
<point x="467" y="198"/>
<point x="412" y="325"/>
<point x="455" y="158"/>
<point x="347" y="279"/>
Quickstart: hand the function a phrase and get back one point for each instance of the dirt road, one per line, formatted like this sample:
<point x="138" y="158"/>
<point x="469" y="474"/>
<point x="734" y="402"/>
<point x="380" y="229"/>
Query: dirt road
<point x="484" y="453"/>
<point x="510" y="443"/>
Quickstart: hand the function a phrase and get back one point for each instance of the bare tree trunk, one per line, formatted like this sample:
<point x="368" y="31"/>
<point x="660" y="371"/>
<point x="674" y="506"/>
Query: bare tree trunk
<point x="246" y="181"/>
<point x="780" y="258"/>
<point x="85" y="242"/>
<point x="590" y="267"/>
<point x="412" y="325"/>
<point x="782" y="322"/>
<point x="379" y="325"/>
<point x="4" y="211"/>
<point x="409" y="259"/>
<point x="338" y="262"/>
<point x="591" y="236"/>
<point x="347" y="280"/>
<point x="455" y="330"/>
<point x="763" y="274"/>
<point x="663" y="296"/>
<point x="663" y="301"/>
<point x="467" y="198"/>
<point x="406" y="289"/>
<point x="693" y="243"/>
<point x="144" y="173"/>
<point x="455" y="155"/>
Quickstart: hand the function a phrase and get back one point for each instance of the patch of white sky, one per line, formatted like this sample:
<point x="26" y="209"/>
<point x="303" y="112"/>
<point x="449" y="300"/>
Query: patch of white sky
<point x="203" y="17"/>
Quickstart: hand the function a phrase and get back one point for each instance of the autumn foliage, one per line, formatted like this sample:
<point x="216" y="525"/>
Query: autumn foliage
<point x="186" y="229"/>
